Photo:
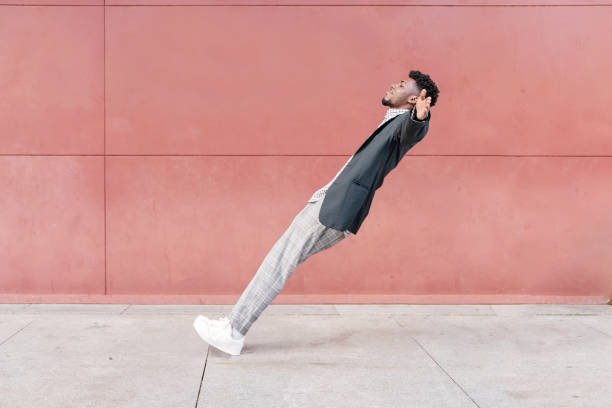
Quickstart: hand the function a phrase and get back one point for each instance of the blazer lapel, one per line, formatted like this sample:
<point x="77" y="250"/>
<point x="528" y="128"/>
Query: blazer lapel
<point x="377" y="131"/>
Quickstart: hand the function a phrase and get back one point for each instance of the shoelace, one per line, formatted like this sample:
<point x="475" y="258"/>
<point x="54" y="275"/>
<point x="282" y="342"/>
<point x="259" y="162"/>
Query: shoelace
<point x="220" y="321"/>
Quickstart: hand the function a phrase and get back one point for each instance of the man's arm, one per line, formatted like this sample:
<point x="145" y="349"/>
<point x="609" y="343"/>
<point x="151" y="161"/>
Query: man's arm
<point x="412" y="129"/>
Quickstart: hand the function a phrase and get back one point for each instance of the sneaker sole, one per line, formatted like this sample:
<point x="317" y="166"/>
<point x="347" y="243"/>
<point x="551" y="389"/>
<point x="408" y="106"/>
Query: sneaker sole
<point x="203" y="333"/>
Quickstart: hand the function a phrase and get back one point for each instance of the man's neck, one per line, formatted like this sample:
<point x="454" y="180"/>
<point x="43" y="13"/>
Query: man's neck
<point x="406" y="106"/>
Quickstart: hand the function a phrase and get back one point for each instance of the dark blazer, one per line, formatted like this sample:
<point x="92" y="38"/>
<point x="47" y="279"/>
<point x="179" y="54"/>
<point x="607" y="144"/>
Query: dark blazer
<point x="347" y="201"/>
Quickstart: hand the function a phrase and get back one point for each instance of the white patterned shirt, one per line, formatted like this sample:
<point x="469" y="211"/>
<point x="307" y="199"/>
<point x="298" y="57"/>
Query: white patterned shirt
<point x="320" y="193"/>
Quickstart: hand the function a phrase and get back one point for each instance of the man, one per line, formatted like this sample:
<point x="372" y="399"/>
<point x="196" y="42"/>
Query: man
<point x="334" y="212"/>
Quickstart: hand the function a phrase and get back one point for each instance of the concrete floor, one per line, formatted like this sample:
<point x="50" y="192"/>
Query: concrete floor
<point x="425" y="356"/>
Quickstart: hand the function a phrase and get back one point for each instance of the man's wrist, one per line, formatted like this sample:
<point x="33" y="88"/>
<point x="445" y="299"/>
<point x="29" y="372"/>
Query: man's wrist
<point x="415" y="117"/>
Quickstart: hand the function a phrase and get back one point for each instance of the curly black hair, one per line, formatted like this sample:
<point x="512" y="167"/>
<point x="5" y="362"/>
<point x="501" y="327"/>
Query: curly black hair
<point x="423" y="81"/>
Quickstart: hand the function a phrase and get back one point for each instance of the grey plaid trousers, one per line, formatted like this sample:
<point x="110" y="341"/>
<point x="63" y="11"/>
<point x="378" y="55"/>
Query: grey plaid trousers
<point x="305" y="237"/>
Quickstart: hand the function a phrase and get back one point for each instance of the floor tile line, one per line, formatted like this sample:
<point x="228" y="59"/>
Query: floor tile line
<point x="438" y="364"/>
<point x="14" y="334"/>
<point x="441" y="368"/>
<point x="202" y="379"/>
<point x="596" y="329"/>
<point x="445" y="372"/>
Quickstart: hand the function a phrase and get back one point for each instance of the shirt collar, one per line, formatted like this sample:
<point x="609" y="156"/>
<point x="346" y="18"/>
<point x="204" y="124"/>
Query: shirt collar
<point x="393" y="112"/>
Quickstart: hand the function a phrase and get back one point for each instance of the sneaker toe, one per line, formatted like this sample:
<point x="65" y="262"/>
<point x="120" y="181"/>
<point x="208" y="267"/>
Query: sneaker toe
<point x="201" y="325"/>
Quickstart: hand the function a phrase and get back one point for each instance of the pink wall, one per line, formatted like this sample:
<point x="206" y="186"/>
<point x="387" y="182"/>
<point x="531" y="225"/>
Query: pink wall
<point x="156" y="154"/>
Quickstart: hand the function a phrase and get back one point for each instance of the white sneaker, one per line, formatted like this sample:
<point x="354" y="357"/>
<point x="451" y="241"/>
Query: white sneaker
<point x="218" y="333"/>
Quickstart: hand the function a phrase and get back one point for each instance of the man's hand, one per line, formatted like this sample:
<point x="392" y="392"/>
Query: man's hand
<point x="422" y="105"/>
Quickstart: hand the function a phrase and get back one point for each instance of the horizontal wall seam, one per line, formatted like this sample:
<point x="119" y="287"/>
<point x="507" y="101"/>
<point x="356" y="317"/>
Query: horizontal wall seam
<point x="298" y="155"/>
<point x="309" y="5"/>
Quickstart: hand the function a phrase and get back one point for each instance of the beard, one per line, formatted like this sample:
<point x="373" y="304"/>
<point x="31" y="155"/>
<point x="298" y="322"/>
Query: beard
<point x="386" y="102"/>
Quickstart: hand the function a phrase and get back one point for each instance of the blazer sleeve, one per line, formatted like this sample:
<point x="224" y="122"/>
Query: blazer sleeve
<point x="412" y="129"/>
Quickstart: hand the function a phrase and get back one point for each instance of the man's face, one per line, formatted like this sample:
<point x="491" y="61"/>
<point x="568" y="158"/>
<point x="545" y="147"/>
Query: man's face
<point x="402" y="94"/>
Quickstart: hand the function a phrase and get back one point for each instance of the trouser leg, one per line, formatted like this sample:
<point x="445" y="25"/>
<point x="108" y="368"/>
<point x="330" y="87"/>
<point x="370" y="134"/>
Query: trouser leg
<point x="305" y="237"/>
